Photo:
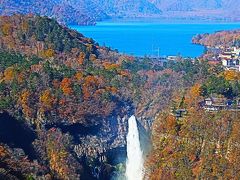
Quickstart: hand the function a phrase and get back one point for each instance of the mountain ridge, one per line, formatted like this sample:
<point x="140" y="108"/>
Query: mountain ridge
<point x="88" y="12"/>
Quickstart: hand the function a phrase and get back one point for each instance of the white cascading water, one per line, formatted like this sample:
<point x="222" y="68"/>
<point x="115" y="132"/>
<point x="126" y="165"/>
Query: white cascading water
<point x="134" y="166"/>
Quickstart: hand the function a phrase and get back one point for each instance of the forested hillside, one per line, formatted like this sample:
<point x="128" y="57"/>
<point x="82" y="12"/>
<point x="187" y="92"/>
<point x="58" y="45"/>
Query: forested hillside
<point x="74" y="97"/>
<point x="222" y="38"/>
<point x="191" y="142"/>
<point x="53" y="78"/>
<point x="195" y="139"/>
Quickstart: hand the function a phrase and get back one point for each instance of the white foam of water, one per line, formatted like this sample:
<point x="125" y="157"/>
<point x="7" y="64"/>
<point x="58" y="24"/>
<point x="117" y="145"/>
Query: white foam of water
<point x="134" y="165"/>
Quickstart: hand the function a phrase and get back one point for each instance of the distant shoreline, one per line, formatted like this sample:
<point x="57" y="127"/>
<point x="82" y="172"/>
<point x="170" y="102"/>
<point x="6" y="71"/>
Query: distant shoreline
<point x="165" y="20"/>
<point x="161" y="20"/>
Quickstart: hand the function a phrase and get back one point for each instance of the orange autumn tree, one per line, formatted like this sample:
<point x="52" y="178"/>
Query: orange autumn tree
<point x="92" y="57"/>
<point x="21" y="77"/>
<point x="79" y="76"/>
<point x="89" y="86"/>
<point x="81" y="58"/>
<point x="66" y="86"/>
<point x="3" y="152"/>
<point x="112" y="89"/>
<point x="24" y="26"/>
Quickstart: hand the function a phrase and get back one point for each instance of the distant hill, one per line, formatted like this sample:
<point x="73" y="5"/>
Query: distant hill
<point x="128" y="8"/>
<point x="79" y="11"/>
<point x="185" y="5"/>
<point x="173" y="9"/>
<point x="69" y="12"/>
<point x="199" y="9"/>
<point x="87" y="12"/>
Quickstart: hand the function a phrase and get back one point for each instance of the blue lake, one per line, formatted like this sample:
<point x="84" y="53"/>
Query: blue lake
<point x="145" y="38"/>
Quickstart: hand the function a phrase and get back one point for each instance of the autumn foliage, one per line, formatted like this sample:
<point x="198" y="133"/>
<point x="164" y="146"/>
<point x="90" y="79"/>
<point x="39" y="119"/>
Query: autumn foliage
<point x="66" y="86"/>
<point x="54" y="85"/>
<point x="196" y="145"/>
<point x="47" y="100"/>
<point x="9" y="74"/>
<point x="232" y="75"/>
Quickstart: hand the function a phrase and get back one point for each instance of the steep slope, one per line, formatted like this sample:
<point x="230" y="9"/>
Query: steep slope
<point x="66" y="89"/>
<point x="197" y="144"/>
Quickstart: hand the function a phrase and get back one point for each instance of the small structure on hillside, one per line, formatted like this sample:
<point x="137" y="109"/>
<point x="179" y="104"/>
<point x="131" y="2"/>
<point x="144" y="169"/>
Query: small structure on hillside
<point x="231" y="64"/>
<point x="178" y="113"/>
<point x="217" y="104"/>
<point x="231" y="59"/>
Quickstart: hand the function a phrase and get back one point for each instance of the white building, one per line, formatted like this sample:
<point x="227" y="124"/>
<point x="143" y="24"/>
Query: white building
<point x="231" y="64"/>
<point x="236" y="51"/>
<point x="226" y="55"/>
<point x="231" y="59"/>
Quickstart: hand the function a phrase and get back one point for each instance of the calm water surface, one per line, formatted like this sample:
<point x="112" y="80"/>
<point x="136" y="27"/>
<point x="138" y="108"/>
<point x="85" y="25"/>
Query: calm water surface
<point x="145" y="38"/>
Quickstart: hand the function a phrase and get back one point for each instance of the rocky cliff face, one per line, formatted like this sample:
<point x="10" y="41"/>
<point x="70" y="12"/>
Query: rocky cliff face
<point x="99" y="148"/>
<point x="102" y="145"/>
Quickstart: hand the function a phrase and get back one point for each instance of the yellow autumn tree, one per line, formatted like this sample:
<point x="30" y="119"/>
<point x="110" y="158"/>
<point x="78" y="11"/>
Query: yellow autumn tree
<point x="79" y="76"/>
<point x="89" y="47"/>
<point x="66" y="86"/>
<point x="24" y="102"/>
<point x="24" y="26"/>
<point x="6" y="29"/>
<point x="195" y="90"/>
<point x="47" y="100"/>
<point x="110" y="66"/>
<point x="9" y="74"/>
<point x="1" y="77"/>
<point x="232" y="75"/>
<point x="47" y="53"/>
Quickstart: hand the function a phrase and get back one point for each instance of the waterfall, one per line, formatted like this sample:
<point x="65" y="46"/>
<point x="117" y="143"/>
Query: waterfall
<point x="134" y="165"/>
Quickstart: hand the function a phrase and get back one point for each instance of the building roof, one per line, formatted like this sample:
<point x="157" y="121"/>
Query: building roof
<point x="217" y="101"/>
